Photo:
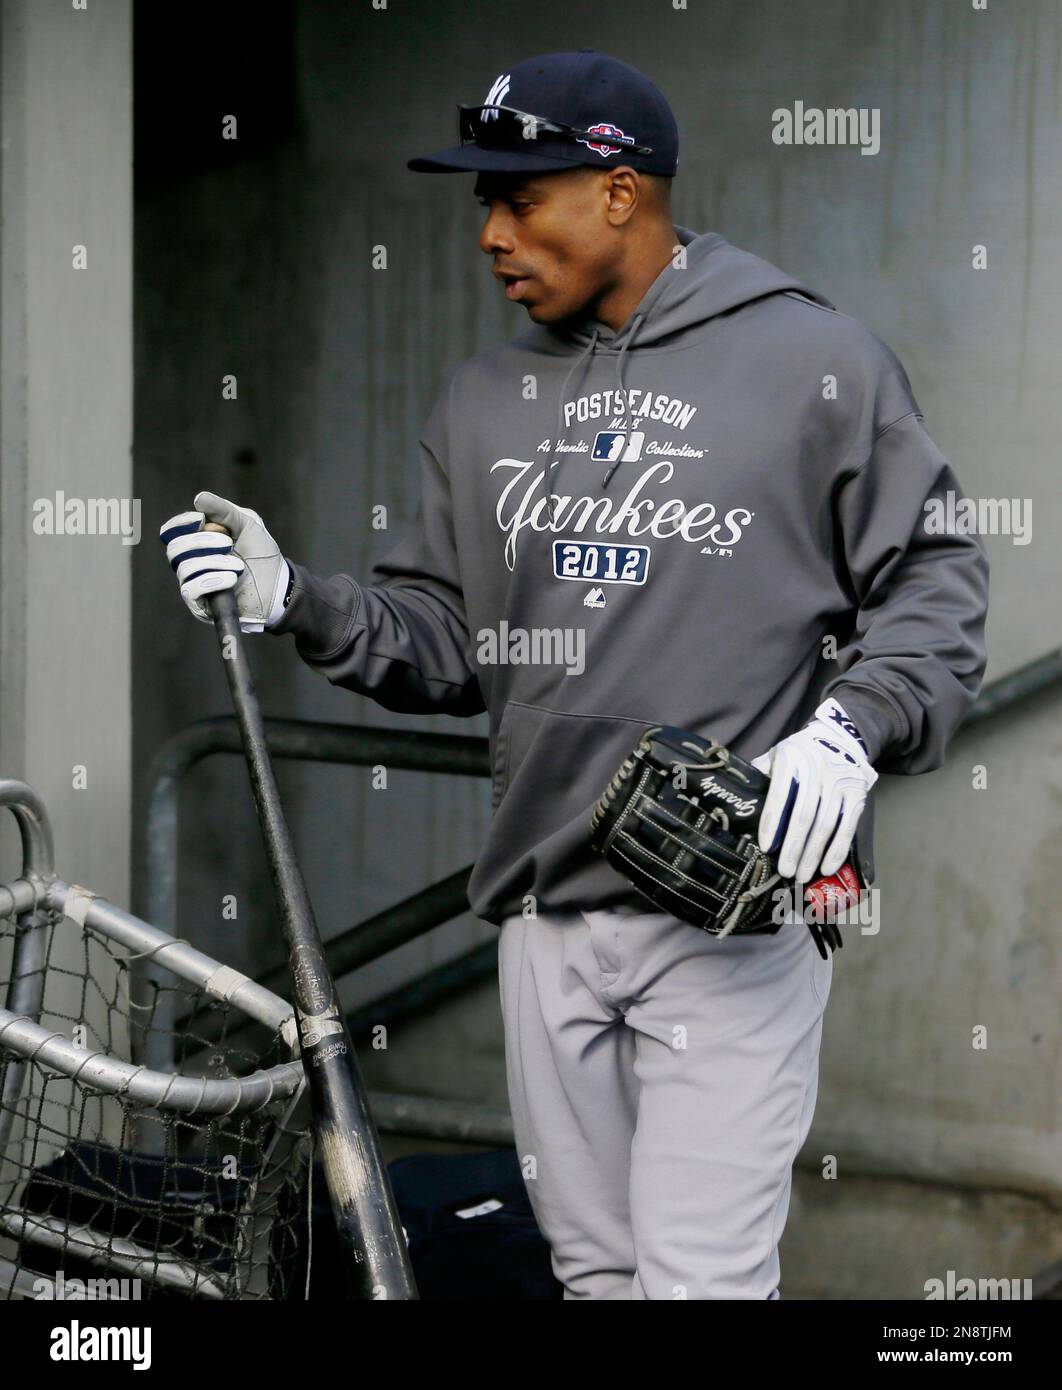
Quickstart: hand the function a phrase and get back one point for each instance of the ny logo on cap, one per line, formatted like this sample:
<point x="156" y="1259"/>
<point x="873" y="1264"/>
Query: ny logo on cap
<point x="498" y="91"/>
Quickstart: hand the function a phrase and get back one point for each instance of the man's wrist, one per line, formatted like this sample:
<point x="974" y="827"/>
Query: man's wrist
<point x="283" y="596"/>
<point x="873" y="715"/>
<point x="836" y="718"/>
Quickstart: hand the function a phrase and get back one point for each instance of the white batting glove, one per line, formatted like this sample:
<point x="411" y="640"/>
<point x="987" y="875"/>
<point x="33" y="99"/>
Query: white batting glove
<point x="248" y="559"/>
<point x="820" y="778"/>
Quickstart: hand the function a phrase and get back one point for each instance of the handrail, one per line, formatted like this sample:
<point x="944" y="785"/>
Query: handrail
<point x="155" y="885"/>
<point x="462" y="1121"/>
<point x="155" y="878"/>
<point x="366" y="941"/>
<point x="384" y="931"/>
<point x="1019" y="685"/>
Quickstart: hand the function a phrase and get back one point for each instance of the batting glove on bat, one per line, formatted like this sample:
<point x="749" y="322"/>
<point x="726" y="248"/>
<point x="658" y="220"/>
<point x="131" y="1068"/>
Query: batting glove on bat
<point x="247" y="559"/>
<point x="820" y="778"/>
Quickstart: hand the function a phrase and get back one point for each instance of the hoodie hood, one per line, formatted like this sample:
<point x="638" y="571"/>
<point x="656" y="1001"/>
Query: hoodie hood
<point x="715" y="279"/>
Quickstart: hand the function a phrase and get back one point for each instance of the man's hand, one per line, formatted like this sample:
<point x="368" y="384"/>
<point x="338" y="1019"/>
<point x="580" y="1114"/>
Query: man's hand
<point x="820" y="778"/>
<point x="206" y="562"/>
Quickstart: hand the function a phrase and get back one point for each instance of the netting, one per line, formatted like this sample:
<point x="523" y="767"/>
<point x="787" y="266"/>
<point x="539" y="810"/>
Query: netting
<point x="153" y="1138"/>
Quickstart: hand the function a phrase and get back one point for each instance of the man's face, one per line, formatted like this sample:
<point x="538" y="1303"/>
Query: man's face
<point x="549" y="235"/>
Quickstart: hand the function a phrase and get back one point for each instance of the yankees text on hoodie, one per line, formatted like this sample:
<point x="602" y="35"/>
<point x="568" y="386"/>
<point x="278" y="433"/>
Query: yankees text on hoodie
<point x="712" y="518"/>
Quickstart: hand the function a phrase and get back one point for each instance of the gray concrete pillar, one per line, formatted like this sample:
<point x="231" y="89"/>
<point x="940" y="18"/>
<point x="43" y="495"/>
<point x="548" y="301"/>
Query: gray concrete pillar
<point x="66" y="419"/>
<point x="68" y="520"/>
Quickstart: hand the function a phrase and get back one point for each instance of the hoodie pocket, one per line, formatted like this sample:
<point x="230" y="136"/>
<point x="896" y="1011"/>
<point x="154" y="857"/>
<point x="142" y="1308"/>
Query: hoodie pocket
<point x="556" y="757"/>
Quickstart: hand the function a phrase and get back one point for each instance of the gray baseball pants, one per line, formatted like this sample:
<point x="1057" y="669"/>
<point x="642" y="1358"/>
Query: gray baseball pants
<point x="662" y="1082"/>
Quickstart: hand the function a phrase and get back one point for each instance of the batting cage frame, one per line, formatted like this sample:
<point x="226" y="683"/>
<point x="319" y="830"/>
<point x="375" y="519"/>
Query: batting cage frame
<point x="188" y="1181"/>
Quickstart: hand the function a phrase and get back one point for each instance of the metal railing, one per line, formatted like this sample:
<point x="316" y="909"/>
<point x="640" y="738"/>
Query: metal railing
<point x="155" y="890"/>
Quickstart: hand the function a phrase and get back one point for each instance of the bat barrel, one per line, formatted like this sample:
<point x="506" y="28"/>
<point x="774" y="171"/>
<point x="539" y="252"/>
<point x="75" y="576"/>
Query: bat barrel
<point x="367" y="1220"/>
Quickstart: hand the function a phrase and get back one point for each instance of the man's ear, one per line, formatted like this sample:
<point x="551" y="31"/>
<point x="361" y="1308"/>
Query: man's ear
<point x="623" y="193"/>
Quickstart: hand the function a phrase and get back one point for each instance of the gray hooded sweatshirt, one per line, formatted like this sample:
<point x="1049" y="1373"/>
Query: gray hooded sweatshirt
<point x="739" y="479"/>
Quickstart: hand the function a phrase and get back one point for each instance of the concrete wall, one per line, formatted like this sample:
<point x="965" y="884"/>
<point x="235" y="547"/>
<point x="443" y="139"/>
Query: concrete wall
<point x="258" y="263"/>
<point x="66" y="412"/>
<point x="66" y="419"/>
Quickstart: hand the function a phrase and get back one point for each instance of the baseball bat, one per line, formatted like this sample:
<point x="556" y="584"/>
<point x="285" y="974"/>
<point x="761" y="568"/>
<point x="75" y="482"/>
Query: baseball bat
<point x="370" y="1232"/>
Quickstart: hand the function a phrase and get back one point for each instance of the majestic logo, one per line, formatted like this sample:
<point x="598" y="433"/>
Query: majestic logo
<point x="616" y="137"/>
<point x="594" y="599"/>
<point x="609" y="445"/>
<point x="524" y="503"/>
<point x="499" y="90"/>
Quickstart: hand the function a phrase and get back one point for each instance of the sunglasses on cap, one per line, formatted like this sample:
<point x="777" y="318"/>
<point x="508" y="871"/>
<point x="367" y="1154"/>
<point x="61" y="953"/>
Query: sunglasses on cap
<point x="505" y="128"/>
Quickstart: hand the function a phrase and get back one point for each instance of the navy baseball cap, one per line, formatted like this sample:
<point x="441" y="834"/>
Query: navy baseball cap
<point x="560" y="110"/>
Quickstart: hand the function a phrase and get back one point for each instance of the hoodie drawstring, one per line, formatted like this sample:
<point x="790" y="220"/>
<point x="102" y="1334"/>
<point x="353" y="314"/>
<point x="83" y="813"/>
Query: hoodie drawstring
<point x="586" y="353"/>
<point x="584" y="356"/>
<point x="622" y="393"/>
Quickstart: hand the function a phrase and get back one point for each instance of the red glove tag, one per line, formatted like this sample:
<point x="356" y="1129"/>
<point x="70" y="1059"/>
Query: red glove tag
<point x="831" y="895"/>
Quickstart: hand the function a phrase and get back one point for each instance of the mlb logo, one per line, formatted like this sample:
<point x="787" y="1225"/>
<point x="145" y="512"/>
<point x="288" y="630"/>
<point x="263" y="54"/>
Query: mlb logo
<point x="607" y="128"/>
<point x="609" y="445"/>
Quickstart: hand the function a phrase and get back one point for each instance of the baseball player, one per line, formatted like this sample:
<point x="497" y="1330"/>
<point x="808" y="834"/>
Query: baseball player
<point x="717" y="481"/>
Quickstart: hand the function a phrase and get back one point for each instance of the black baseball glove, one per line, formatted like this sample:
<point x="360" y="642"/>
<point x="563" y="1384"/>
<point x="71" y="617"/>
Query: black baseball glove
<point x="680" y="819"/>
